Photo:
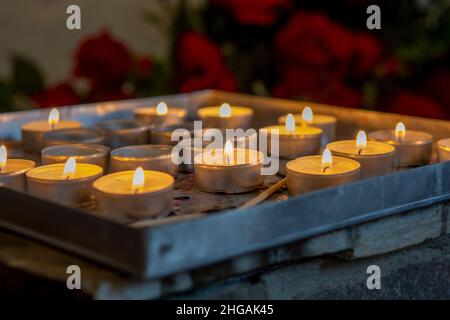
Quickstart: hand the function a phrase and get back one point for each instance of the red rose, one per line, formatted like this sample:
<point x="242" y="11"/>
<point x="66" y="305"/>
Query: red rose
<point x="200" y="65"/>
<point x="313" y="39"/>
<point x="61" y="94"/>
<point x="309" y="83"/>
<point x="103" y="60"/>
<point x="367" y="53"/>
<point x="254" y="12"/>
<point x="412" y="104"/>
<point x="390" y="67"/>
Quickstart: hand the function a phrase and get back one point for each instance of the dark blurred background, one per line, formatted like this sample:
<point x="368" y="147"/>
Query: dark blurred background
<point x="316" y="50"/>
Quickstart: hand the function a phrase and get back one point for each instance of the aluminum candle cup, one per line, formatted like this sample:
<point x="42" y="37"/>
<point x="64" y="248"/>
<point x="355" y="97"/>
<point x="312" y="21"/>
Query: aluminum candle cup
<point x="163" y="134"/>
<point x="149" y="157"/>
<point x="33" y="132"/>
<point x="12" y="171"/>
<point x="226" y="116"/>
<point x="118" y="196"/>
<point x="246" y="141"/>
<point x="83" y="153"/>
<point x="120" y="133"/>
<point x="160" y="115"/>
<point x="376" y="158"/>
<point x="307" y="174"/>
<point x="52" y="183"/>
<point x="242" y="174"/>
<point x="73" y="136"/>
<point x="324" y="122"/>
<point x="301" y="141"/>
<point x="414" y="148"/>
<point x="443" y="150"/>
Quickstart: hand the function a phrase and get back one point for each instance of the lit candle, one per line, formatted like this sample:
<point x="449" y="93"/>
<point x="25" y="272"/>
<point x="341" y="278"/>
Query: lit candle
<point x="294" y="141"/>
<point x="226" y="116"/>
<point x="444" y="150"/>
<point x="73" y="136"/>
<point x="412" y="148"/>
<point x="228" y="170"/>
<point x="160" y="114"/>
<point x="325" y="122"/>
<point x="67" y="183"/>
<point x="149" y="157"/>
<point x="83" y="153"/>
<point x="376" y="158"/>
<point x="317" y="172"/>
<point x="32" y="132"/>
<point x="135" y="194"/>
<point x="120" y="133"/>
<point x="12" y="171"/>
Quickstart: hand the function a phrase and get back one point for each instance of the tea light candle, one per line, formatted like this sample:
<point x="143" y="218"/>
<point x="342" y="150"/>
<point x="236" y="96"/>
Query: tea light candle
<point x="294" y="141"/>
<point x="443" y="150"/>
<point x="376" y="158"/>
<point x="325" y="122"/>
<point x="226" y="116"/>
<point x="120" y="133"/>
<point x="135" y="194"/>
<point x="73" y="136"/>
<point x="83" y="153"/>
<point x="317" y="172"/>
<point x="228" y="170"/>
<point x="160" y="115"/>
<point x="32" y="132"/>
<point x="12" y="171"/>
<point x="163" y="134"/>
<point x="67" y="183"/>
<point x="149" y="157"/>
<point x="412" y="148"/>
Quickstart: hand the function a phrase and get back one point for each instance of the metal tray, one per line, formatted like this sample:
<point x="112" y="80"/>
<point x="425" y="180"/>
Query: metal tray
<point x="206" y="229"/>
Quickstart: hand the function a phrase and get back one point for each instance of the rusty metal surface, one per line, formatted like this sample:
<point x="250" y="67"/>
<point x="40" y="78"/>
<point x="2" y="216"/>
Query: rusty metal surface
<point x="206" y="228"/>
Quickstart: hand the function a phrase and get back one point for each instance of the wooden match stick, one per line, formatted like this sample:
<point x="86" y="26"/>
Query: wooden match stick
<point x="265" y="194"/>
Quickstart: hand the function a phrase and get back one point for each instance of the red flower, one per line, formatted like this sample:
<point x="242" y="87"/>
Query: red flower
<point x="103" y="60"/>
<point x="415" y="105"/>
<point x="200" y="65"/>
<point x="254" y="12"/>
<point x="311" y="84"/>
<point x="313" y="39"/>
<point x="437" y="86"/>
<point x="367" y="53"/>
<point x="144" y="66"/>
<point x="61" y="94"/>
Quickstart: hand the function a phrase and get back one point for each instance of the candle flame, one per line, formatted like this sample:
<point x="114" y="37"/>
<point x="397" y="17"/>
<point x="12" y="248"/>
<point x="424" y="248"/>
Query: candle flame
<point x="290" y="122"/>
<point x="138" y="180"/>
<point x="327" y="159"/>
<point x="225" y="110"/>
<point x="361" y="140"/>
<point x="307" y="115"/>
<point x="161" y="109"/>
<point x="53" y="117"/>
<point x="3" y="157"/>
<point x="69" y="168"/>
<point x="228" y="150"/>
<point x="400" y="130"/>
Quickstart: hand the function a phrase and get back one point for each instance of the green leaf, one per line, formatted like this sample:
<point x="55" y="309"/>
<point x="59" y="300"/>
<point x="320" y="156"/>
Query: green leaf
<point x="26" y="77"/>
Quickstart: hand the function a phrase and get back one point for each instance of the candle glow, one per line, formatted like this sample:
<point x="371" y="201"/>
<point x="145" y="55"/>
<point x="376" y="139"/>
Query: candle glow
<point x="290" y="122"/>
<point x="138" y="180"/>
<point x="225" y="111"/>
<point x="69" y="168"/>
<point x="53" y="117"/>
<point x="327" y="159"/>
<point x="3" y="157"/>
<point x="361" y="141"/>
<point x="161" y="109"/>
<point x="400" y="131"/>
<point x="228" y="151"/>
<point x="307" y="115"/>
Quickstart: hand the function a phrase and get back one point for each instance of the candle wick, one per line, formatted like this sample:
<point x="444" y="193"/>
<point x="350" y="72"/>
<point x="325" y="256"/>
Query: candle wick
<point x="67" y="178"/>
<point x="325" y="169"/>
<point x="136" y="191"/>
<point x="359" y="151"/>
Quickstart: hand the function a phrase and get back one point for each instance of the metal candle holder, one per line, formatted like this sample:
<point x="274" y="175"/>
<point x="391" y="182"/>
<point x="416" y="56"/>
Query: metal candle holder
<point x="120" y="133"/>
<point x="83" y="153"/>
<point x="73" y="136"/>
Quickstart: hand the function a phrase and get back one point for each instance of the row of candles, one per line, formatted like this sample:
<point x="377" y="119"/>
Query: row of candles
<point x="142" y="176"/>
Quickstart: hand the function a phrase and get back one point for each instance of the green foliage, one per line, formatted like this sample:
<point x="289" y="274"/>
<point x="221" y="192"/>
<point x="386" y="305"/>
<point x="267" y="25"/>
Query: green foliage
<point x="26" y="77"/>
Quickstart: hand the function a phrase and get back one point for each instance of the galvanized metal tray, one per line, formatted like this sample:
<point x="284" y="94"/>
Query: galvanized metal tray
<point x="205" y="228"/>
